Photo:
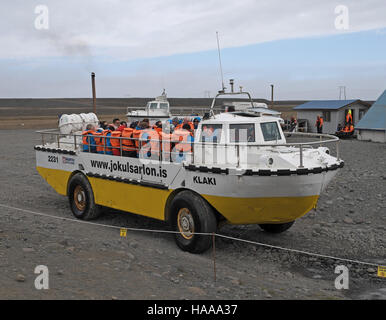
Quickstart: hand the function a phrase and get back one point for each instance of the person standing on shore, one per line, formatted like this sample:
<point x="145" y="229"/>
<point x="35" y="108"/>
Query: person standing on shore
<point x="319" y="124"/>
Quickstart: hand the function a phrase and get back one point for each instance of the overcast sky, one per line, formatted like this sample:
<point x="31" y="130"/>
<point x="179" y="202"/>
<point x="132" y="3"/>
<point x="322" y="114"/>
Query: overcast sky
<point x="138" y="47"/>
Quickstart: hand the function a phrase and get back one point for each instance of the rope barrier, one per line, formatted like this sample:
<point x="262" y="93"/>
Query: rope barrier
<point x="174" y="232"/>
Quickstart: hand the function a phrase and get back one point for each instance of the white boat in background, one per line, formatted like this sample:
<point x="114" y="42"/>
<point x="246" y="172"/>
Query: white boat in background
<point x="158" y="109"/>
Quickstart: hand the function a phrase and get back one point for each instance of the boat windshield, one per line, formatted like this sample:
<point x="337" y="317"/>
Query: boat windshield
<point x="164" y="106"/>
<point x="152" y="105"/>
<point x="242" y="132"/>
<point x="270" y="131"/>
<point x="211" y="133"/>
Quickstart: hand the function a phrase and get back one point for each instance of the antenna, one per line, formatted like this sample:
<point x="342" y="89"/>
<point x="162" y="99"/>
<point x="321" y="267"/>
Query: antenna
<point x="342" y="92"/>
<point x="93" y="92"/>
<point x="219" y="59"/>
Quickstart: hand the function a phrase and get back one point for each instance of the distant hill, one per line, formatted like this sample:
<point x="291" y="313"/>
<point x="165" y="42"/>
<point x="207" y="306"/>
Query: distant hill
<point x="111" y="106"/>
<point x="56" y="107"/>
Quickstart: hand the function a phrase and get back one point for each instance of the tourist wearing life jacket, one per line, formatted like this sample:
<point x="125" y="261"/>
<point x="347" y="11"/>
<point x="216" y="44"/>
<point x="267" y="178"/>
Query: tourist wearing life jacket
<point x="166" y="144"/>
<point x="107" y="139"/>
<point x="136" y="134"/>
<point x="88" y="139"/>
<point x="319" y="124"/>
<point x="122" y="126"/>
<point x="186" y="121"/>
<point x="115" y="143"/>
<point x="183" y="143"/>
<point x="116" y="123"/>
<point x="149" y="144"/>
<point x="128" y="145"/>
<point x="109" y="147"/>
<point x="158" y="127"/>
<point x="165" y="136"/>
<point x="99" y="140"/>
<point x="174" y="124"/>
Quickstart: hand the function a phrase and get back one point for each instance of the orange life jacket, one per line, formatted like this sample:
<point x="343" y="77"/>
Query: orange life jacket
<point x="348" y="118"/>
<point x="100" y="140"/>
<point x="115" y="143"/>
<point x="89" y="141"/>
<point x="128" y="145"/>
<point x="136" y="134"/>
<point x="182" y="141"/>
<point x="179" y="127"/>
<point x="150" y="143"/>
<point x="165" y="141"/>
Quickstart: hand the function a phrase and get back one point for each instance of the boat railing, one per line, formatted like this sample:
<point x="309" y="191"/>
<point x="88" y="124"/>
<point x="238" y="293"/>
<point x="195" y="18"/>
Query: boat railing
<point x="148" y="111"/>
<point x="193" y="111"/>
<point x="177" y="111"/>
<point x="193" y="152"/>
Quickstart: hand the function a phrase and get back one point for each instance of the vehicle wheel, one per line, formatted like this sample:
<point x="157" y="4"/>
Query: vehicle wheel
<point x="191" y="214"/>
<point x="276" y="228"/>
<point x="81" y="198"/>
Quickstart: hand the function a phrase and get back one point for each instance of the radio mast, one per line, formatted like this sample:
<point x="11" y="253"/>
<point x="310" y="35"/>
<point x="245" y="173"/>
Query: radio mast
<point x="219" y="59"/>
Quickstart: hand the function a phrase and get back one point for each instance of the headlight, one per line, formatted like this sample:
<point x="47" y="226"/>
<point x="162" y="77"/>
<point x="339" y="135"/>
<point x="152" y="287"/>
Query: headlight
<point x="324" y="149"/>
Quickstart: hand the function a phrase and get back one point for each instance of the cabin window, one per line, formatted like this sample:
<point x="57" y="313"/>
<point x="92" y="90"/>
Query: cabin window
<point x="361" y="113"/>
<point x="153" y="105"/>
<point x="242" y="132"/>
<point x="327" y="116"/>
<point x="211" y="133"/>
<point x="164" y="106"/>
<point x="270" y="131"/>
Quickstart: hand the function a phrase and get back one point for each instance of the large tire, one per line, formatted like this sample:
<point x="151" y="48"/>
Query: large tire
<point x="191" y="214"/>
<point x="276" y="228"/>
<point x="81" y="198"/>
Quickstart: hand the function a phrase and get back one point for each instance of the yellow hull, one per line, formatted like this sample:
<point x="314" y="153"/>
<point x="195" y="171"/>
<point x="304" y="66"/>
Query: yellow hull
<point x="141" y="200"/>
<point x="262" y="210"/>
<point x="151" y="202"/>
<point x="57" y="179"/>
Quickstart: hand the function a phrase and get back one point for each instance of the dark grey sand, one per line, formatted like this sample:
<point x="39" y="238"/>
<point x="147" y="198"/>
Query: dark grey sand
<point x="88" y="262"/>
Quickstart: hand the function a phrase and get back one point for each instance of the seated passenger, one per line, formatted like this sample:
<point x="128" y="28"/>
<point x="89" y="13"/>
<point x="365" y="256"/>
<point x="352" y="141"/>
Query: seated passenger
<point x="149" y="144"/>
<point x="183" y="140"/>
<point x="103" y="146"/>
<point x="137" y="132"/>
<point x="185" y="121"/>
<point x="166" y="144"/>
<point x="122" y="126"/>
<point x="196" y="121"/>
<point x="128" y="145"/>
<point x="89" y="143"/>
<point x="116" y="123"/>
<point x="103" y="124"/>
<point x="115" y="143"/>
<point x="158" y="127"/>
<point x="175" y="123"/>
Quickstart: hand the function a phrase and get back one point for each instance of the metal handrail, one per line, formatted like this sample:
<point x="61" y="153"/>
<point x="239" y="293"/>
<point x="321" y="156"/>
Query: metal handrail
<point x="223" y="93"/>
<point x="288" y="144"/>
<point x="195" y="144"/>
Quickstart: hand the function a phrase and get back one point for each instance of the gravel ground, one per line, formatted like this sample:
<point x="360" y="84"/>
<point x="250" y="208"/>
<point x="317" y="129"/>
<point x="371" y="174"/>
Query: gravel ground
<point x="91" y="262"/>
